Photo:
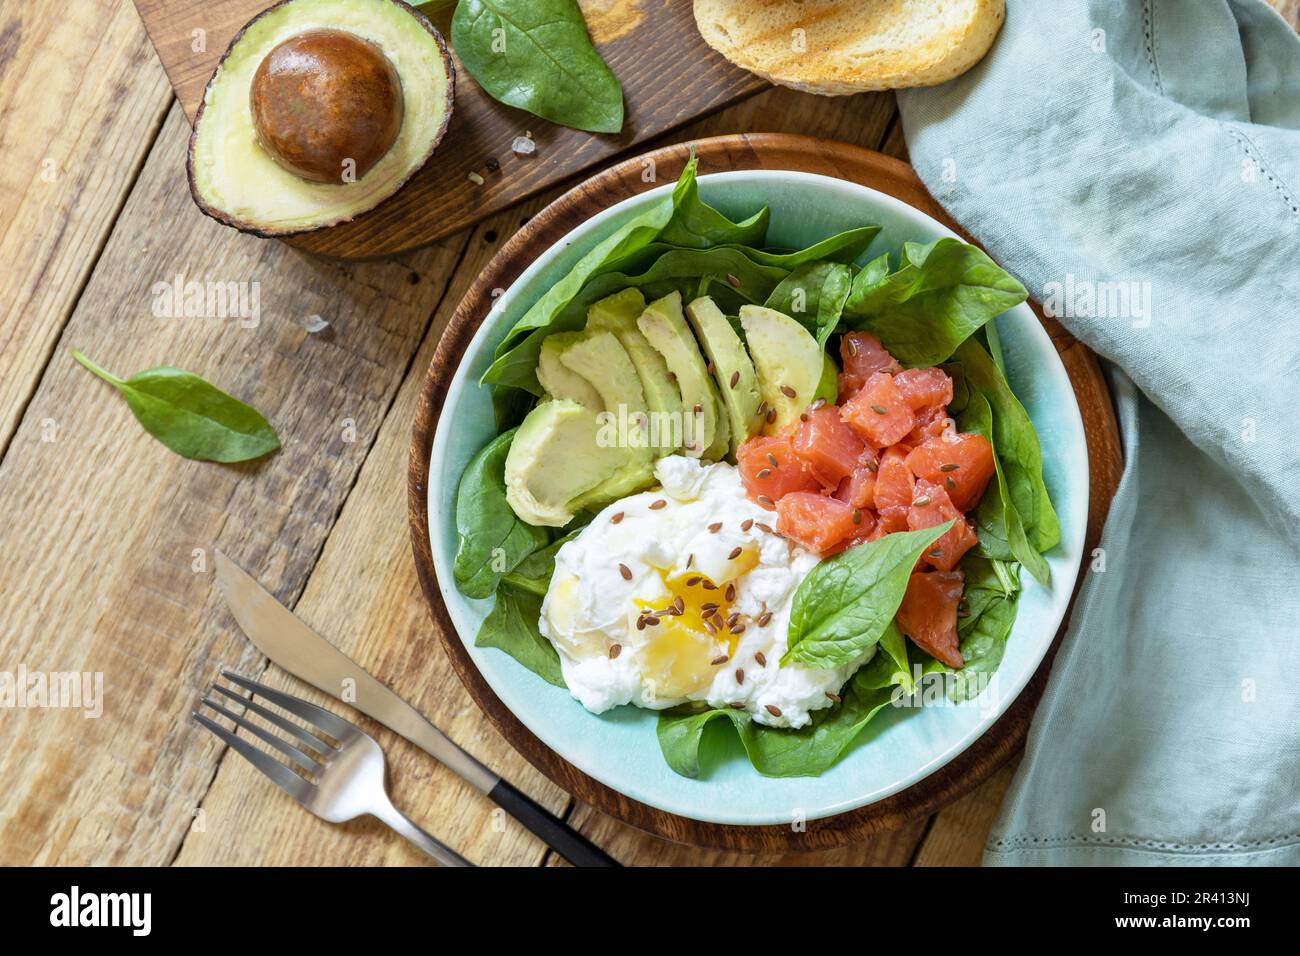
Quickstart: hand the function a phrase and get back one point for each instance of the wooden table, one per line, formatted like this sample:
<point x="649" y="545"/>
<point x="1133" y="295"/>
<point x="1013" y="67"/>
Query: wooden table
<point x="107" y="544"/>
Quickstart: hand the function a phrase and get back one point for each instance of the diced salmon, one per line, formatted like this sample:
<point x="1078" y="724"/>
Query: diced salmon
<point x="924" y="388"/>
<point x="930" y="423"/>
<point x="770" y="469"/>
<point x="928" y="614"/>
<point x="893" y="490"/>
<point x="878" y="412"/>
<point x="861" y="356"/>
<point x="931" y="506"/>
<point x="962" y="463"/>
<point x="829" y="447"/>
<point x="859" y="488"/>
<point x="816" y="521"/>
<point x="864" y="531"/>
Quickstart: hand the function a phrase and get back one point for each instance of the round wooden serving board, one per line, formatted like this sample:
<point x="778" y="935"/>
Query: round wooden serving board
<point x="751" y="151"/>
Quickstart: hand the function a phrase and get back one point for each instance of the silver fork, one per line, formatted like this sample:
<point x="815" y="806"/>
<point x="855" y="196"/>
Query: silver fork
<point x="336" y="781"/>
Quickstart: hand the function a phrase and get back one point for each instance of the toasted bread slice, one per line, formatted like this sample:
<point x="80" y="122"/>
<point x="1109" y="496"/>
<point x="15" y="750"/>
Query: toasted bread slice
<point x="837" y="47"/>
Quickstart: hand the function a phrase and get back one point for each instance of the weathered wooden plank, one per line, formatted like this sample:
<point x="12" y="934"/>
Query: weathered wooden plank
<point x="81" y="97"/>
<point x="105" y="528"/>
<point x="959" y="832"/>
<point x="364" y="596"/>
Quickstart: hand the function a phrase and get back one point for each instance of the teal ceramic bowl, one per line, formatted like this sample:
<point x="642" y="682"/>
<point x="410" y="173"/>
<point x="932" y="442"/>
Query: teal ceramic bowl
<point x="902" y="745"/>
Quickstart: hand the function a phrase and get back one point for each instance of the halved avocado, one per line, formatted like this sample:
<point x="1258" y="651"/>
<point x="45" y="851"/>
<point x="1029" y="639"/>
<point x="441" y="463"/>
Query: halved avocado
<point x="319" y="111"/>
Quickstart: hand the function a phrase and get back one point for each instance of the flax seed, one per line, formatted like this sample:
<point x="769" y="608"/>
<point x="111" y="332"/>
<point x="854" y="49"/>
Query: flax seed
<point x="616" y="518"/>
<point x="615" y="650"/>
<point x="787" y="391"/>
<point x="624" y="570"/>
<point x="772" y="709"/>
<point x="735" y="553"/>
<point x="761" y="658"/>
<point x="656" y="505"/>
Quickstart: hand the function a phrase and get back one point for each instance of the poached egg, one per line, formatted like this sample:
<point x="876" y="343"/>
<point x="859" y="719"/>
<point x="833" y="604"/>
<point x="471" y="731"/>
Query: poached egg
<point x="683" y="594"/>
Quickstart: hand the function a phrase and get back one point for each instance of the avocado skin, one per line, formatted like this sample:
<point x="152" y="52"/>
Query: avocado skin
<point x="225" y="219"/>
<point x="727" y="353"/>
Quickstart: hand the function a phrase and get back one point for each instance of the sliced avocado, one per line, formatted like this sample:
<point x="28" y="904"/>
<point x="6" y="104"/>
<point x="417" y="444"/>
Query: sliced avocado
<point x="602" y="360"/>
<point x="663" y="324"/>
<point x="732" y="369"/>
<point x="555" y="457"/>
<point x="558" y="379"/>
<point x="789" y="362"/>
<point x="618" y="314"/>
<point x="317" y="112"/>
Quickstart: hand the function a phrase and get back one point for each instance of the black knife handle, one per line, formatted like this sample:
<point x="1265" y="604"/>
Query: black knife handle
<point x="554" y="832"/>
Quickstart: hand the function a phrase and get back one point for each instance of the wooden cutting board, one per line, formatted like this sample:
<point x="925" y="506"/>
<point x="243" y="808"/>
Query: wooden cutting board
<point x="669" y="76"/>
<point x="753" y="151"/>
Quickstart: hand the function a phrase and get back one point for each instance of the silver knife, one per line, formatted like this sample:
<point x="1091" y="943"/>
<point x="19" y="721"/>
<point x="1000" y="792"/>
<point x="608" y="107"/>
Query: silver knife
<point x="291" y="644"/>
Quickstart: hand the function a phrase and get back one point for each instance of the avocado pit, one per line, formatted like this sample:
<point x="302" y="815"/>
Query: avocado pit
<point x="327" y="105"/>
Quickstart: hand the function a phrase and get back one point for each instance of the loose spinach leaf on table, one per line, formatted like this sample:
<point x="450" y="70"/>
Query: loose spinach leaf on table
<point x="191" y="417"/>
<point x="779" y="752"/>
<point x="846" y="603"/>
<point x="938" y="297"/>
<point x="1016" y="444"/>
<point x="493" y="539"/>
<point x="511" y="626"/>
<point x="537" y="55"/>
<point x="814" y="295"/>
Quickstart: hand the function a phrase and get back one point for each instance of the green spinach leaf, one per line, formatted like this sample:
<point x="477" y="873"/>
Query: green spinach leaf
<point x="843" y="247"/>
<point x="845" y="604"/>
<point x="814" y="295"/>
<point x="778" y="752"/>
<point x="537" y="55"/>
<point x="511" y="626"/>
<point x="192" y="418"/>
<point x="1001" y="530"/>
<point x="533" y="573"/>
<point x="938" y="297"/>
<point x="1016" y="444"/>
<point x="697" y="225"/>
<point x="493" y="539"/>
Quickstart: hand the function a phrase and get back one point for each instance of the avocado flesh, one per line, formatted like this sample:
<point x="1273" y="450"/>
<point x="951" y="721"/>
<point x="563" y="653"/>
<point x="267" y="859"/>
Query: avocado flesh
<point x="664" y="326"/>
<point x="234" y="180"/>
<point x="785" y="355"/>
<point x="601" y="359"/>
<point x="618" y="314"/>
<point x="727" y="353"/>
<point x="558" y="379"/>
<point x="554" y="458"/>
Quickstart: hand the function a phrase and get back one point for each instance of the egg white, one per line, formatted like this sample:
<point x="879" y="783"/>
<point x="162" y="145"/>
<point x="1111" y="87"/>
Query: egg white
<point x="591" y="606"/>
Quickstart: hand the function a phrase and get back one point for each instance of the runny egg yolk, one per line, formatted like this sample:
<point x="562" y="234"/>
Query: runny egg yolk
<point x="692" y="631"/>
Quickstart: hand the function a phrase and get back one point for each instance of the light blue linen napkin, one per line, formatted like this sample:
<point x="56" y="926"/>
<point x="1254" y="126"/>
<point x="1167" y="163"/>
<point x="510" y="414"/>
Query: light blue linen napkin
<point x="1151" y="150"/>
